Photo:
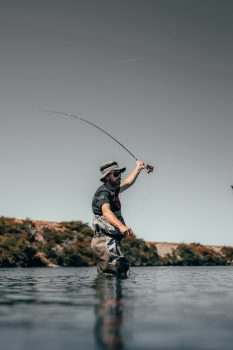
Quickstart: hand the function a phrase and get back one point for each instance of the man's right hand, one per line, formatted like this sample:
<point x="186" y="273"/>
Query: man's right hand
<point x="110" y="216"/>
<point x="126" y="231"/>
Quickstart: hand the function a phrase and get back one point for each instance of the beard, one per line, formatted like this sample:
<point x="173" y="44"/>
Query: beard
<point x="113" y="185"/>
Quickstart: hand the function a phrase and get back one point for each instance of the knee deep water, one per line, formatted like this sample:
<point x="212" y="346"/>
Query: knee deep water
<point x="155" y="308"/>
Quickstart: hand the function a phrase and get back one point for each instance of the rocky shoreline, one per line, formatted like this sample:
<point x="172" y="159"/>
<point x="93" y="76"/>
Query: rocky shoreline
<point x="34" y="243"/>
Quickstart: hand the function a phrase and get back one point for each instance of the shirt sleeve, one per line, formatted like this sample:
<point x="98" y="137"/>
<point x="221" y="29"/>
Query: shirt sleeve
<point x="124" y="188"/>
<point x="102" y="198"/>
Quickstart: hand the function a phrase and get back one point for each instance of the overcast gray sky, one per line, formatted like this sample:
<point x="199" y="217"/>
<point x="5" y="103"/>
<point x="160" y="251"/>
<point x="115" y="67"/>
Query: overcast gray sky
<point x="156" y="74"/>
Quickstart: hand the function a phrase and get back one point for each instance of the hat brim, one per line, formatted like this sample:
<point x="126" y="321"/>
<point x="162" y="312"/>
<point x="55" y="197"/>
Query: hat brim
<point x="110" y="170"/>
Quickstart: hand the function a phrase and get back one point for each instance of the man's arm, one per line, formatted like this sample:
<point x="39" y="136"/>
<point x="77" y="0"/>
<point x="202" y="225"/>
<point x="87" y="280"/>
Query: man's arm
<point x="129" y="180"/>
<point x="111" y="217"/>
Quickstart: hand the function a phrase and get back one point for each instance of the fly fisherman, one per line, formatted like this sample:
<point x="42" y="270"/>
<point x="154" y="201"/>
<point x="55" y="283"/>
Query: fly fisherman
<point x="108" y="223"/>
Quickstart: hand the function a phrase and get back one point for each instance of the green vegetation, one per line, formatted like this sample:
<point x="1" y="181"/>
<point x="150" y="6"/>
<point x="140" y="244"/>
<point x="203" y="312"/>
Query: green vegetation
<point x="64" y="244"/>
<point x="138" y="253"/>
<point x="28" y="243"/>
<point x="16" y="251"/>
<point x="228" y="253"/>
<point x="196" y="254"/>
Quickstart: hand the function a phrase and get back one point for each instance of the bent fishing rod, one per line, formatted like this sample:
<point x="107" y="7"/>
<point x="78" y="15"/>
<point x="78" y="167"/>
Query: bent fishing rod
<point x="149" y="168"/>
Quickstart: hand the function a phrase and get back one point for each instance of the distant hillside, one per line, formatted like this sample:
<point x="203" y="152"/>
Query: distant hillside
<point x="29" y="243"/>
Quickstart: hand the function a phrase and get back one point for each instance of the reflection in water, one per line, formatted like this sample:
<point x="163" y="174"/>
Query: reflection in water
<point x="109" y="312"/>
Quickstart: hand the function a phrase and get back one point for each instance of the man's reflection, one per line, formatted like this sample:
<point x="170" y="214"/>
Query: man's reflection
<point x="109" y="312"/>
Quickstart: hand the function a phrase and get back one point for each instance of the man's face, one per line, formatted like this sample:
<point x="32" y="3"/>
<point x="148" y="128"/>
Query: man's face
<point x="115" y="178"/>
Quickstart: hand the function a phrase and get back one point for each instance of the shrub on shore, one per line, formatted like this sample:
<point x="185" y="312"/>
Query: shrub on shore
<point x="138" y="253"/>
<point x="196" y="255"/>
<point x="16" y="250"/>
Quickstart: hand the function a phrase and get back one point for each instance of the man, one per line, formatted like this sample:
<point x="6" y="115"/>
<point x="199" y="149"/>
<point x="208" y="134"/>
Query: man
<point x="108" y="223"/>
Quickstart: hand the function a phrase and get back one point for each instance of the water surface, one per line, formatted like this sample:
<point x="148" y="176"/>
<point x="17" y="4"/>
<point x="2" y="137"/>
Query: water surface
<point x="155" y="308"/>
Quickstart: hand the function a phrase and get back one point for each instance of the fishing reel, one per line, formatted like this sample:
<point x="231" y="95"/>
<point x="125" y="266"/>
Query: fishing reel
<point x="149" y="168"/>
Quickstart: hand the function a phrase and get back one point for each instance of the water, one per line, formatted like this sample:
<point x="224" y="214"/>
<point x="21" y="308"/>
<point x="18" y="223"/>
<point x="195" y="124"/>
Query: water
<point x="156" y="308"/>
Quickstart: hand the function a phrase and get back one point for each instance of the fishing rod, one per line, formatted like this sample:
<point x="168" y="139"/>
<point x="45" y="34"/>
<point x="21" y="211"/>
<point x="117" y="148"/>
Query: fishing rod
<point x="149" y="168"/>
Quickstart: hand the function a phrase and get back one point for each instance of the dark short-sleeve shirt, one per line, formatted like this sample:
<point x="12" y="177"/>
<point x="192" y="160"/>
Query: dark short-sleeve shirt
<point x="104" y="195"/>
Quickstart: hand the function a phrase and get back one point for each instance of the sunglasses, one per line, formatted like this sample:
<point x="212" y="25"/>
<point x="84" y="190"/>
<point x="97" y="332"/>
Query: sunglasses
<point x="116" y="173"/>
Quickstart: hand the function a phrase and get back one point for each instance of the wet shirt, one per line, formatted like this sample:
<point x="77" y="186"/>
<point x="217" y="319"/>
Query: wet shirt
<point x="104" y="195"/>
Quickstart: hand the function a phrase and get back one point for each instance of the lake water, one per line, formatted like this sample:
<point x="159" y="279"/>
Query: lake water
<point x="155" y="308"/>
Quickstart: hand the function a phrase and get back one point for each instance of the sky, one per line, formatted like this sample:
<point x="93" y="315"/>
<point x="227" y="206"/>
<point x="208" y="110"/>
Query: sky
<point x="155" y="74"/>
